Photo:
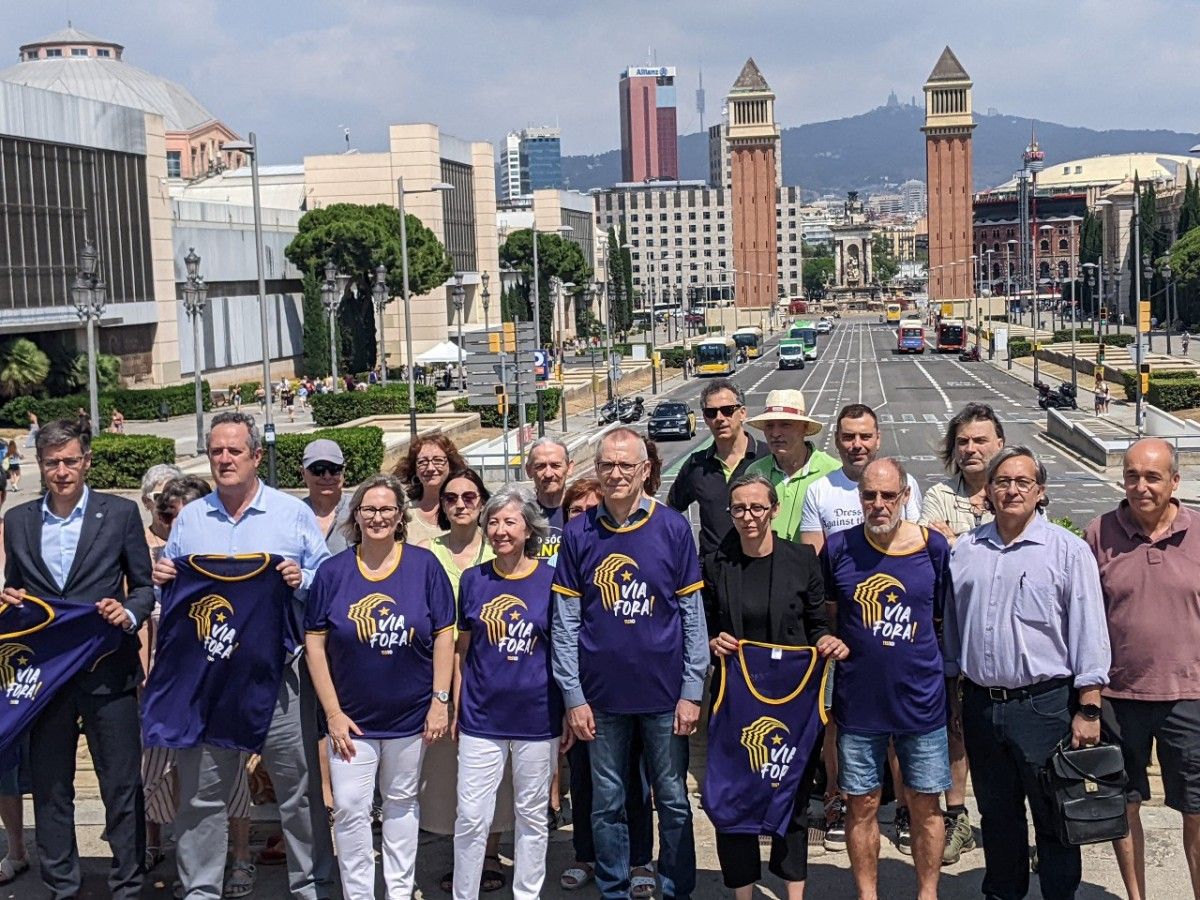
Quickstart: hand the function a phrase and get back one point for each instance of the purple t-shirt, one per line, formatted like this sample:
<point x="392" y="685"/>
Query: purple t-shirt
<point x="629" y="580"/>
<point x="508" y="692"/>
<point x="379" y="637"/>
<point x="889" y="610"/>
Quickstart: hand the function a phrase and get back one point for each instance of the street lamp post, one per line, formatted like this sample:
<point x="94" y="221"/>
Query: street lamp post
<point x="250" y="148"/>
<point x="1169" y="287"/>
<point x="195" y="298"/>
<point x="458" y="295"/>
<point x="379" y="296"/>
<point x="563" y="287"/>
<point x="332" y="292"/>
<point x="408" y="345"/>
<point x="89" y="293"/>
<point x="486" y="297"/>
<point x="1074" y="375"/>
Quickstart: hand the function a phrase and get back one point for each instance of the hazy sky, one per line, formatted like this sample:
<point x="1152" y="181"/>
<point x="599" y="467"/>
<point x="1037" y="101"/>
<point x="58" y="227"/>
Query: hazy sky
<point x="297" y="71"/>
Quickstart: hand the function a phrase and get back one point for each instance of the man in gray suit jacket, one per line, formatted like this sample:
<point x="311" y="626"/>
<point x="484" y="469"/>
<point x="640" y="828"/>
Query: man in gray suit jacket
<point x="87" y="548"/>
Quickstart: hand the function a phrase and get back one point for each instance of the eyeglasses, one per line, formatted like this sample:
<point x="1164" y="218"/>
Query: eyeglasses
<point x="711" y="412"/>
<point x="71" y="462"/>
<point x="468" y="498"/>
<point x="384" y="512"/>
<point x="1022" y="485"/>
<point x="321" y="469"/>
<point x="757" y="510"/>
<point x="607" y="467"/>
<point x="888" y="497"/>
<point x="432" y="462"/>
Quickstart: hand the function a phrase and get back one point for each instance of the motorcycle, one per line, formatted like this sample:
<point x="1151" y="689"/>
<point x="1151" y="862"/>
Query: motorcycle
<point x="1062" y="397"/>
<point x="608" y="413"/>
<point x="971" y="354"/>
<point x="630" y="410"/>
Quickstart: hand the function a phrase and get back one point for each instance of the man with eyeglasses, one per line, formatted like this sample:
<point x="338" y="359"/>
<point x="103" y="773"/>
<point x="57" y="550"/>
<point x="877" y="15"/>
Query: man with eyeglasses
<point x="889" y="579"/>
<point x="243" y="515"/>
<point x="630" y="653"/>
<point x="705" y="477"/>
<point x="794" y="463"/>
<point x="323" y="468"/>
<point x="1026" y="630"/>
<point x="87" y="548"/>
<point x="549" y="466"/>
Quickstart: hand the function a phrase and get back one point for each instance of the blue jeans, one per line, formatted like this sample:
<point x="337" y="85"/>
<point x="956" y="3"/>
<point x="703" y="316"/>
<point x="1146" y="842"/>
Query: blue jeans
<point x="666" y="757"/>
<point x="924" y="761"/>
<point x="638" y="814"/>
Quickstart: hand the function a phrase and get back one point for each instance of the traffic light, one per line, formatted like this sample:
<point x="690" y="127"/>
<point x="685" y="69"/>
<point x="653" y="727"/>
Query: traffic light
<point x="1144" y="377"/>
<point x="1144" y="315"/>
<point x="504" y="340"/>
<point x="1104" y="313"/>
<point x="501" y="400"/>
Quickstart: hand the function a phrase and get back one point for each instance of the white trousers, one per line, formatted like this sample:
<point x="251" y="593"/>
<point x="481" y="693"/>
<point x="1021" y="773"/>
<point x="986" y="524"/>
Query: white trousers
<point x="480" y="768"/>
<point x="397" y="762"/>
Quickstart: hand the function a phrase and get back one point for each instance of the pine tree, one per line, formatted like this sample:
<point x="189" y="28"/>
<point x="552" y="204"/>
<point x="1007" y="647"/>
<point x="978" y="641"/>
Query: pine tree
<point x="1186" y="223"/>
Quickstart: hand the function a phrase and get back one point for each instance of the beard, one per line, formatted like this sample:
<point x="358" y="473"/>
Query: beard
<point x="884" y="529"/>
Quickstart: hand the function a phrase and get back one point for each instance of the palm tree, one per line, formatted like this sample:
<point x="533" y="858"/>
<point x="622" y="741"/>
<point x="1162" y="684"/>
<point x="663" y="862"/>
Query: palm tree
<point x="23" y="367"/>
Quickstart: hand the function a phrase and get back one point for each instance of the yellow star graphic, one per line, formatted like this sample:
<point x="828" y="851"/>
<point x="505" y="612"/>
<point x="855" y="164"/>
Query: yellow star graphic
<point x="891" y="597"/>
<point x="220" y="617"/>
<point x="384" y="611"/>
<point x="777" y="740"/>
<point x="627" y="576"/>
<point x="23" y="661"/>
<point x="514" y="615"/>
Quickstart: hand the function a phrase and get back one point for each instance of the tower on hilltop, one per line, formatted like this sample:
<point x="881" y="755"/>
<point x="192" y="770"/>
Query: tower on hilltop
<point x="754" y="160"/>
<point x="948" y="126"/>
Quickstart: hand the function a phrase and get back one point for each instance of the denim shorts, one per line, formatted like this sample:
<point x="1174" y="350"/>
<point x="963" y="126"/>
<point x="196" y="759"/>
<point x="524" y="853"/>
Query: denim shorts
<point x="924" y="761"/>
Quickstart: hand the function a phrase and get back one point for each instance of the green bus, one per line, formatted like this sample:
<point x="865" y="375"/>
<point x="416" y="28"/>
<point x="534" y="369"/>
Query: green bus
<point x="805" y="332"/>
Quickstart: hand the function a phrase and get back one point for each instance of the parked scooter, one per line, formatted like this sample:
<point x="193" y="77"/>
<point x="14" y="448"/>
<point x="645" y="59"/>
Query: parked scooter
<point x="970" y="354"/>
<point x="630" y="410"/>
<point x="608" y="413"/>
<point x="1063" y="397"/>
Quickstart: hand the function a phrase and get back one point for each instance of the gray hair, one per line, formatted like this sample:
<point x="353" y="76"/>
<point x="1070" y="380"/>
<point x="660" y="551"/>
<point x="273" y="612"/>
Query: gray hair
<point x="722" y="384"/>
<point x="521" y="497"/>
<point x="754" y="478"/>
<point x="157" y="475"/>
<point x="895" y="464"/>
<point x="229" y="417"/>
<point x="1013" y="452"/>
<point x="547" y="441"/>
<point x="626" y="433"/>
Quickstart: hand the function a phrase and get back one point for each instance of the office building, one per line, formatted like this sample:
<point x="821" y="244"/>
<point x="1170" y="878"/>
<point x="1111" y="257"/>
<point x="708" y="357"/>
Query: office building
<point x="649" y="142"/>
<point x="531" y="161"/>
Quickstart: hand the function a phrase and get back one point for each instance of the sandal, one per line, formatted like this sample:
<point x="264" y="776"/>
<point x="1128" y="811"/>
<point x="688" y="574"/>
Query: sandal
<point x="643" y="886"/>
<point x="493" y="878"/>
<point x="154" y="855"/>
<point x="10" y="868"/>
<point x="240" y="881"/>
<point x="576" y="876"/>
<point x="447" y="882"/>
<point x="273" y="854"/>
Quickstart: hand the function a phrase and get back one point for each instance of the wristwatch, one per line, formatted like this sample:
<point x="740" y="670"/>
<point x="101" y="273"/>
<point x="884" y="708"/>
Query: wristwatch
<point x="443" y="696"/>
<point x="1090" y="711"/>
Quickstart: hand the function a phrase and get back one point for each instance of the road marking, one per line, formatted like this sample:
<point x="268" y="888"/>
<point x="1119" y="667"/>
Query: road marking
<point x="921" y="368"/>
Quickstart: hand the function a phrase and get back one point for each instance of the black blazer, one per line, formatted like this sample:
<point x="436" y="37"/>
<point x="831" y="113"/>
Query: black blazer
<point x="797" y="602"/>
<point x="112" y="560"/>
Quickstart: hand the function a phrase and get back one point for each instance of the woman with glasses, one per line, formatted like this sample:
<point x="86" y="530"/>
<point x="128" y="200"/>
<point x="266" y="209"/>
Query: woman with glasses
<point x="461" y="500"/>
<point x="507" y="704"/>
<point x="380" y="647"/>
<point x="759" y="587"/>
<point x="430" y="459"/>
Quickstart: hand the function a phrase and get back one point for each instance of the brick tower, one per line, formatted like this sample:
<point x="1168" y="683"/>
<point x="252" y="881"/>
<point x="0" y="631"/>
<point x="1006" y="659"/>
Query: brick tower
<point x="754" y="157"/>
<point x="948" y="127"/>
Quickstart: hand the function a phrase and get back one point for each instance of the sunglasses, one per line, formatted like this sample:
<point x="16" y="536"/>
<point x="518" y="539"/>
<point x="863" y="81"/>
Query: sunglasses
<point x="321" y="469"/>
<point x="468" y="498"/>
<point x="711" y="412"/>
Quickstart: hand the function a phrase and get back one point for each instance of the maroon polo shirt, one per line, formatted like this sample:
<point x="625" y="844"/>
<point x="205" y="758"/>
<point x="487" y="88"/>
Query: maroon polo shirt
<point x="1152" y="598"/>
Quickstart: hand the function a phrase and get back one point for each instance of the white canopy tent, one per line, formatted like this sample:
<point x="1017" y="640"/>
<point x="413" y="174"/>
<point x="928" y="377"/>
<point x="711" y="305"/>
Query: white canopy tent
<point x="444" y="352"/>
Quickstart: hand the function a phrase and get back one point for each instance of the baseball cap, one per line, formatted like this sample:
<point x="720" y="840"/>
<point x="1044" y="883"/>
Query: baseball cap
<point x="322" y="450"/>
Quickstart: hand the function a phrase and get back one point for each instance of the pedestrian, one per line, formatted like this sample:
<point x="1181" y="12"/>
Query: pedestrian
<point x="117" y="422"/>
<point x="157" y="532"/>
<point x="953" y="507"/>
<point x="13" y="458"/>
<point x="548" y="465"/>
<point x="1185" y="340"/>
<point x="1148" y="551"/>
<point x="430" y="458"/>
<point x="89" y="547"/>
<point x="706" y="474"/>
<point x="1025" y="629"/>
<point x="509" y="707"/>
<point x="795" y="462"/>
<point x="630" y="656"/>
<point x="462" y="497"/>
<point x="1105" y="397"/>
<point x="889" y="579"/>
<point x="244" y="515"/>
<point x="34" y="427"/>
<point x="380" y="613"/>
<point x="323" y="468"/>
<point x="763" y="589"/>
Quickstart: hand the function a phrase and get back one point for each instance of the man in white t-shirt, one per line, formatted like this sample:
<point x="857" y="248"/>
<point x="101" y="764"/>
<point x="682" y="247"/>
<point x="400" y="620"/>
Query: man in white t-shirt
<point x="832" y="503"/>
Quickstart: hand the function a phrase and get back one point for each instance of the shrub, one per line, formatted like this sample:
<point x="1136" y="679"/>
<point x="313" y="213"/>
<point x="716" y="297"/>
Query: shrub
<point x="490" y="418"/>
<point x="1018" y="347"/>
<point x="134" y="404"/>
<point x="1173" y="394"/>
<point x="346" y="406"/>
<point x="1129" y="379"/>
<point x="1082" y="336"/>
<point x="673" y="357"/>
<point x="362" y="447"/>
<point x="1067" y="523"/>
<point x="1117" y="340"/>
<point x="120" y="460"/>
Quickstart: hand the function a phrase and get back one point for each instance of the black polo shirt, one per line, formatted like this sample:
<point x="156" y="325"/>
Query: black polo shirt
<point x="703" y="479"/>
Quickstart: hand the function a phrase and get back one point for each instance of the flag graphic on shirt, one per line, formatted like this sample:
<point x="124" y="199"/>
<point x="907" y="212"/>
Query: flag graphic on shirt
<point x="377" y="623"/>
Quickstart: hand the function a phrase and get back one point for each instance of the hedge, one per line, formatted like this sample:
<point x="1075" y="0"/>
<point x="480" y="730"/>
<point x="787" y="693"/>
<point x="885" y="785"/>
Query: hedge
<point x="133" y="404"/>
<point x="362" y="446"/>
<point x="1117" y="340"/>
<point x="1018" y="347"/>
<point x="490" y="418"/>
<point x="673" y="357"/>
<point x="1174" y="394"/>
<point x="120" y="460"/>
<point x="346" y="406"/>
<point x="1129" y="378"/>
<point x="1082" y="336"/>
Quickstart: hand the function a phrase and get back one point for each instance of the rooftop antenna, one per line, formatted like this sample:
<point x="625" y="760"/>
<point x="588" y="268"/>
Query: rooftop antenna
<point x="346" y="135"/>
<point x="700" y="100"/>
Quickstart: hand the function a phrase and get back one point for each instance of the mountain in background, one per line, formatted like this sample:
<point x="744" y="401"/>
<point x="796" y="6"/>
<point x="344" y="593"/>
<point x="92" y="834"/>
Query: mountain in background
<point x="885" y="147"/>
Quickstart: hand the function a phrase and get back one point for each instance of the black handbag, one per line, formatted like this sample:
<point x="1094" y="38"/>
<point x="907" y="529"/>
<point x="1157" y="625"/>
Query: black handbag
<point x="1087" y="791"/>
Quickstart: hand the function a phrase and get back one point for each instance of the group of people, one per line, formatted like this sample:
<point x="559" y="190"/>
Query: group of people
<point x="875" y="638"/>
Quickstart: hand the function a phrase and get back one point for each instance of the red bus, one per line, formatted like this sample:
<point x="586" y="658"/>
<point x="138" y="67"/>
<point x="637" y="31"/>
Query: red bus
<point x="951" y="336"/>
<point x="910" y="336"/>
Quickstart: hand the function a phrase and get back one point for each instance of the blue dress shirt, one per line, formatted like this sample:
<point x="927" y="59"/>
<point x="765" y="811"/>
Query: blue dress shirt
<point x="60" y="538"/>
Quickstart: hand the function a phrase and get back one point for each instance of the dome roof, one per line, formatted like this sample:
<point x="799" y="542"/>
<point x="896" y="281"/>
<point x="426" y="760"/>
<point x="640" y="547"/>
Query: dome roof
<point x="106" y="78"/>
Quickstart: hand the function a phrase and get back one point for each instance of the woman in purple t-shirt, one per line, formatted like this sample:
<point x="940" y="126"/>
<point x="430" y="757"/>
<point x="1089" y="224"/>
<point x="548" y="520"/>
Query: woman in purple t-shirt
<point x="507" y="703"/>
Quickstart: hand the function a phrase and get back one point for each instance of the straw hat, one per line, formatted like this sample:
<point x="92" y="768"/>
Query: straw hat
<point x="786" y="406"/>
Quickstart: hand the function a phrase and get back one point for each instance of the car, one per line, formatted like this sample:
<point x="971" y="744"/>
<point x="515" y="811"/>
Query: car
<point x="694" y="318"/>
<point x="824" y="325"/>
<point x="671" y="418"/>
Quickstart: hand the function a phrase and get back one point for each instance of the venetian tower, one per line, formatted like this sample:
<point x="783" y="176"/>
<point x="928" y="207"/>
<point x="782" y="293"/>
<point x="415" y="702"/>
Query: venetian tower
<point x="754" y="158"/>
<point x="948" y="127"/>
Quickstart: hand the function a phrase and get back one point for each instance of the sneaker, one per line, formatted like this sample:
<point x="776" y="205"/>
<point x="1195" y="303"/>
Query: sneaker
<point x="903" y="831"/>
<point x="835" y="824"/>
<point x="960" y="838"/>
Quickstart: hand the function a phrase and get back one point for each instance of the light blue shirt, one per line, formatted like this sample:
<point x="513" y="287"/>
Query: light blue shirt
<point x="60" y="538"/>
<point x="1027" y="611"/>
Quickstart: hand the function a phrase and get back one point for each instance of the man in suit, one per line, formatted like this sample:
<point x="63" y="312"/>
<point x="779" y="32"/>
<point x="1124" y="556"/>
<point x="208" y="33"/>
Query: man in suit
<point x="89" y="548"/>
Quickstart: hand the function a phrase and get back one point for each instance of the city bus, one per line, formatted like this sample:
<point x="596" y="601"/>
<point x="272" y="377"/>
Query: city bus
<point x="716" y="356"/>
<point x="910" y="336"/>
<point x="951" y="336"/>
<point x="893" y="311"/>
<point x="750" y="339"/>
<point x="806" y="333"/>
